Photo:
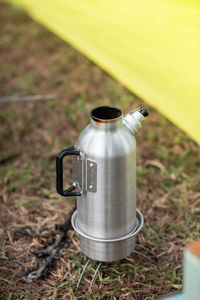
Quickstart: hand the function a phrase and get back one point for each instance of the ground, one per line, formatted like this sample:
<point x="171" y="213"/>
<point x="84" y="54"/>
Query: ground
<point x="35" y="62"/>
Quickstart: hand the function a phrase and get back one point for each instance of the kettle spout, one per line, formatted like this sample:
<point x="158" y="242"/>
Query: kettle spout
<point x="132" y="121"/>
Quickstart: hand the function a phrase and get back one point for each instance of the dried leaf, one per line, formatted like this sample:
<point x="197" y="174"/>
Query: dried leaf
<point x="156" y="164"/>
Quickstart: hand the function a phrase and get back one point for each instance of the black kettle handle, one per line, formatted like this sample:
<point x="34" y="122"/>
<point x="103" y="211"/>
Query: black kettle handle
<point x="59" y="172"/>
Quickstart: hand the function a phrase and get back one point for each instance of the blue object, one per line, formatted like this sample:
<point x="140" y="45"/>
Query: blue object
<point x="177" y="297"/>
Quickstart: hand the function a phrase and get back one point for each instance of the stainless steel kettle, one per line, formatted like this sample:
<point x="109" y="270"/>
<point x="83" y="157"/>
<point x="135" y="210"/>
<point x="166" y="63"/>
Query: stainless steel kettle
<point x="104" y="181"/>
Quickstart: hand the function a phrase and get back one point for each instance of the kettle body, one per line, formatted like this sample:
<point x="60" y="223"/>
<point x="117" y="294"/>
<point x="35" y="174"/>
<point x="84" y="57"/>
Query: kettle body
<point x="107" y="205"/>
<point x="104" y="173"/>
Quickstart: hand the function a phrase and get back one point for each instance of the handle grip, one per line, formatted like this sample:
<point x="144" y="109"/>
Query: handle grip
<point x="59" y="172"/>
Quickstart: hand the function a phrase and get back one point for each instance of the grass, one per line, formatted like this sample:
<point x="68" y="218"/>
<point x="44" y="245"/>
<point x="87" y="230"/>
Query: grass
<point x="34" y="61"/>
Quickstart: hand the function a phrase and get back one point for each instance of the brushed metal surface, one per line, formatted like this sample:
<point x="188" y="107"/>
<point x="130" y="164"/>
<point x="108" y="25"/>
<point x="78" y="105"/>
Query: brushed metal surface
<point x="110" y="212"/>
<point x="110" y="249"/>
<point x="138" y="226"/>
<point x="107" y="252"/>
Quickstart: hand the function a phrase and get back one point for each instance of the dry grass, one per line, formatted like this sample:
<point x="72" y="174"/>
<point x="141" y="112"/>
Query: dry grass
<point x="34" y="61"/>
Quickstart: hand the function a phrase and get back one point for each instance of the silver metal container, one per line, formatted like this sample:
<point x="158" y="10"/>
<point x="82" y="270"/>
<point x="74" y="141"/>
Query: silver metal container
<point x="104" y="171"/>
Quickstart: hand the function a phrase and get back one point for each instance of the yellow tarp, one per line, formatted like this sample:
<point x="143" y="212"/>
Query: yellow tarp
<point x="152" y="47"/>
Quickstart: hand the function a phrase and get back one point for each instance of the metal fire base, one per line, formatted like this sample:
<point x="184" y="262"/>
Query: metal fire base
<point x="107" y="250"/>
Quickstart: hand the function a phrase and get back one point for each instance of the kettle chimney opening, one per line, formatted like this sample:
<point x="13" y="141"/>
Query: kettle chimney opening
<point x="105" y="113"/>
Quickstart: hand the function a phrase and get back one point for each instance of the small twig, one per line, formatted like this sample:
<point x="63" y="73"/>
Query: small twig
<point x="150" y="252"/>
<point x="141" y="254"/>
<point x="7" y="99"/>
